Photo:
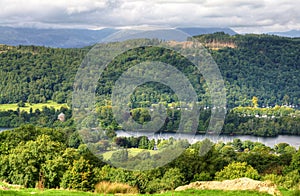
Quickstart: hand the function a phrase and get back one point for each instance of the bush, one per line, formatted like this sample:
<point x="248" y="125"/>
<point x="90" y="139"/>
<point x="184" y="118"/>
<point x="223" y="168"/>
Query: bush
<point x="114" y="188"/>
<point x="289" y="181"/>
<point x="21" y="104"/>
<point x="237" y="170"/>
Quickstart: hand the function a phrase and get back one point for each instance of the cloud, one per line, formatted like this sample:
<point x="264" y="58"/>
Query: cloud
<point x="244" y="15"/>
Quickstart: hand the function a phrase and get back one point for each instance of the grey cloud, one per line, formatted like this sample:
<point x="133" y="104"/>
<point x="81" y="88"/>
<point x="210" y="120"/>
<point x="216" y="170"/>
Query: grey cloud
<point x="117" y="13"/>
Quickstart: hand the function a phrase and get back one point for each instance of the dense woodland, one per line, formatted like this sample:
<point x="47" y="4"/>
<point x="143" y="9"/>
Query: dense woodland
<point x="252" y="65"/>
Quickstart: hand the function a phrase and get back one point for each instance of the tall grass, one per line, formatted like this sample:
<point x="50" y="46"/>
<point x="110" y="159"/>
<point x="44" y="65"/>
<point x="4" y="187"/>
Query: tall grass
<point x="115" y="187"/>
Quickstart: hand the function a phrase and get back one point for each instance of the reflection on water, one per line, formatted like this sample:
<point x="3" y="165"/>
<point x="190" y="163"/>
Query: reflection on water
<point x="268" y="141"/>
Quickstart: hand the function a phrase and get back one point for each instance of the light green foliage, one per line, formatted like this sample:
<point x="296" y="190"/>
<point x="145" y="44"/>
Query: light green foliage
<point x="237" y="170"/>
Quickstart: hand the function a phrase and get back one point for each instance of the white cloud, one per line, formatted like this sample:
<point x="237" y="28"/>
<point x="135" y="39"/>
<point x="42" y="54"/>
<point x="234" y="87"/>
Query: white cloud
<point x="243" y="15"/>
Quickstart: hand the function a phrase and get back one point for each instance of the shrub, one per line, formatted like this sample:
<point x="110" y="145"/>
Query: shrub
<point x="237" y="170"/>
<point x="289" y="181"/>
<point x="115" y="187"/>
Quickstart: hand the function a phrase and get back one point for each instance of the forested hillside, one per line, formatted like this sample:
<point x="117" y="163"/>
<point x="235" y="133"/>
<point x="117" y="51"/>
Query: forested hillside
<point x="258" y="65"/>
<point x="252" y="65"/>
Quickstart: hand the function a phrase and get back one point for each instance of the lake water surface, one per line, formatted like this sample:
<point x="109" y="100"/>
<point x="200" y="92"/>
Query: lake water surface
<point x="268" y="141"/>
<point x="3" y="129"/>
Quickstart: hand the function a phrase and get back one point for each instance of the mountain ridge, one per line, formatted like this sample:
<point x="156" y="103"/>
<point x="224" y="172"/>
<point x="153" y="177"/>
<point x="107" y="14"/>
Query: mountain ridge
<point x="291" y="33"/>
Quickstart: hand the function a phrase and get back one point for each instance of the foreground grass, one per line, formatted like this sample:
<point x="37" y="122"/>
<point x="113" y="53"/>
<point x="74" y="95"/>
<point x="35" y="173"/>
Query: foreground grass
<point x="14" y="106"/>
<point x="27" y="192"/>
<point x="44" y="193"/>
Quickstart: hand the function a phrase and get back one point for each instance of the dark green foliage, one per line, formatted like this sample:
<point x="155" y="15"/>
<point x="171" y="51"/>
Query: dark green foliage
<point x="47" y="117"/>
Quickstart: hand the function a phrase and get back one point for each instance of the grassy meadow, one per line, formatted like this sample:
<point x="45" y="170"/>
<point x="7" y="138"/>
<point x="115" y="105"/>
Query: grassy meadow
<point x="14" y="106"/>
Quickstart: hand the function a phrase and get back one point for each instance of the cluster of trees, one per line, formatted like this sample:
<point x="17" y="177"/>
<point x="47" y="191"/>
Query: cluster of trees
<point x="263" y="122"/>
<point x="141" y="142"/>
<point x="47" y="157"/>
<point x="259" y="65"/>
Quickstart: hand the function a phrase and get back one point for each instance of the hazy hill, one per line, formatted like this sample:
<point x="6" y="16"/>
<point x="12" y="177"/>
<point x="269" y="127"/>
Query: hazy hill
<point x="292" y="33"/>
<point x="200" y="31"/>
<point x="58" y="38"/>
<point x="77" y="38"/>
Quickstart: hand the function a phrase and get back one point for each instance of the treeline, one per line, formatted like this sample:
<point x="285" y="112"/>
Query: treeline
<point x="265" y="122"/>
<point x="261" y="126"/>
<point x="258" y="65"/>
<point x="55" y="157"/>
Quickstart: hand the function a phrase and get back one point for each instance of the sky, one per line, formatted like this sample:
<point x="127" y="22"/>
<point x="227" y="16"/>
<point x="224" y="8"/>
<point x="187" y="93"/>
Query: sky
<point x="243" y="16"/>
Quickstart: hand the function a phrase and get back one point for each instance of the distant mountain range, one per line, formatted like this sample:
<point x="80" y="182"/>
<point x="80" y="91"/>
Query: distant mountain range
<point x="76" y="38"/>
<point x="292" y="33"/>
<point x="200" y="31"/>
<point x="58" y="38"/>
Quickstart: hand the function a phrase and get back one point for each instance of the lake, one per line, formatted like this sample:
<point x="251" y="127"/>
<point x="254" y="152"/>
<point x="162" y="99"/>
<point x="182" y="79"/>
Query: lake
<point x="268" y="141"/>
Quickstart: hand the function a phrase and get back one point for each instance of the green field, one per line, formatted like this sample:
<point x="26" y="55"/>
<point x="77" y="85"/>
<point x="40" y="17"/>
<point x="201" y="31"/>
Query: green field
<point x="14" y="106"/>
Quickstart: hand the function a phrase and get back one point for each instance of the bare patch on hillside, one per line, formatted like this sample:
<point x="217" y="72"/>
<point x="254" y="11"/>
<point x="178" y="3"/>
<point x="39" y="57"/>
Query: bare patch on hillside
<point x="217" y="45"/>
